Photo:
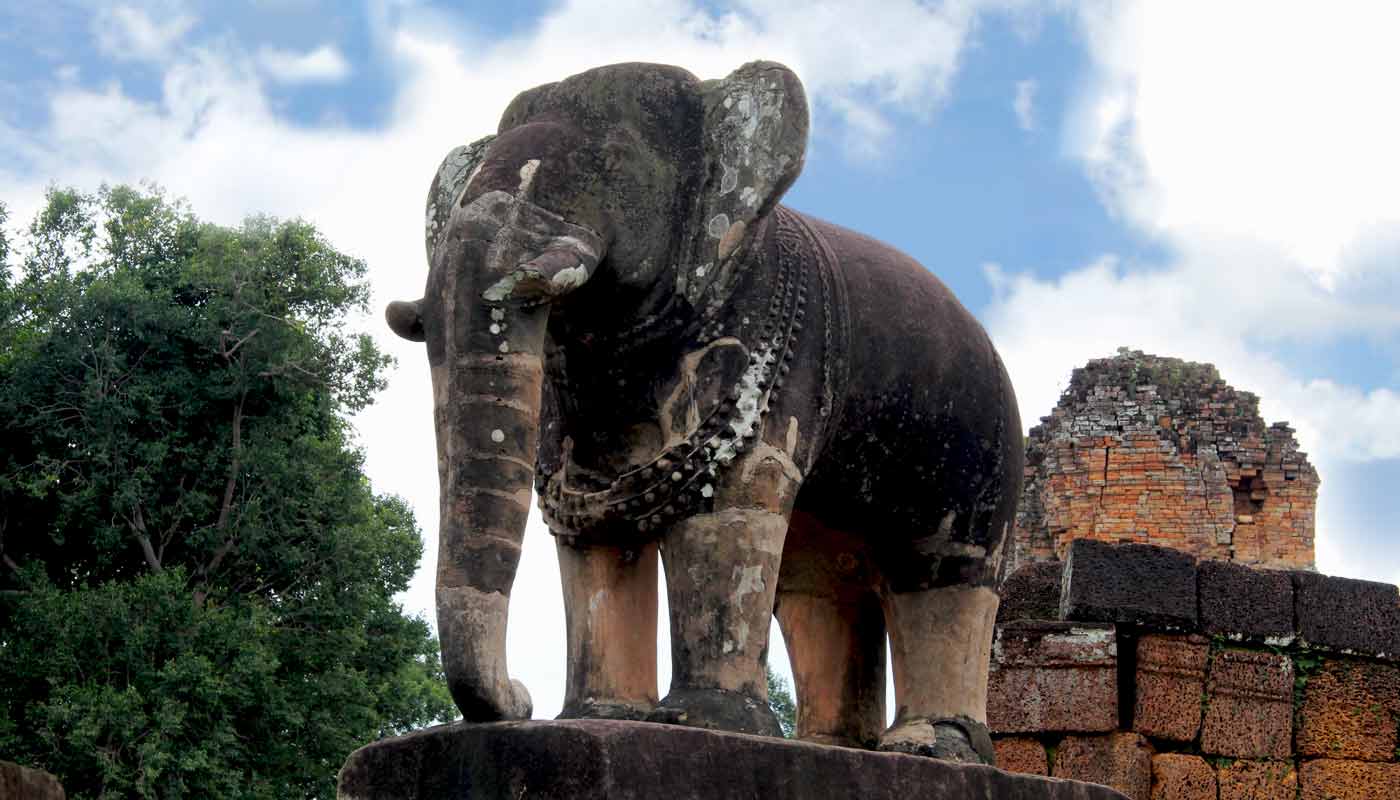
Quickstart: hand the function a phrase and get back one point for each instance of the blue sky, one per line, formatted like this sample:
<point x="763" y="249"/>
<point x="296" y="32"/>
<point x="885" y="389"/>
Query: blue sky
<point x="1212" y="181"/>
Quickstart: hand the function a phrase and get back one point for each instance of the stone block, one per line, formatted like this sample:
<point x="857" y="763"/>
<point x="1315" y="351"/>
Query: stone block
<point x="1171" y="677"/>
<point x="1134" y="584"/>
<point x="24" y="783"/>
<point x="1182" y="777"/>
<point x="1053" y="676"/>
<point x="1249" y="705"/>
<point x="1347" y="614"/>
<point x="1032" y="592"/>
<point x="1120" y="760"/>
<point x="1245" y="603"/>
<point x="1336" y="779"/>
<point x="1351" y="710"/>
<point x="596" y="759"/>
<point x="1258" y="780"/>
<point x="1022" y="754"/>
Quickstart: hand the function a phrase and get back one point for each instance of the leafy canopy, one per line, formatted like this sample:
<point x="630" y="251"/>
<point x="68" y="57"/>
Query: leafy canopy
<point x="196" y="579"/>
<point x="780" y="700"/>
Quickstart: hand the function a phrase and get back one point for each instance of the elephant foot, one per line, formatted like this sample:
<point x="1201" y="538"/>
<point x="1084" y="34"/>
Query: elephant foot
<point x="593" y="708"/>
<point x="949" y="738"/>
<point x="716" y="709"/>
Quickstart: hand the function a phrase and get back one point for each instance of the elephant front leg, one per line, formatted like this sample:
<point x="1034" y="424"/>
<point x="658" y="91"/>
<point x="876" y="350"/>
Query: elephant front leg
<point x="610" y="618"/>
<point x="721" y="578"/>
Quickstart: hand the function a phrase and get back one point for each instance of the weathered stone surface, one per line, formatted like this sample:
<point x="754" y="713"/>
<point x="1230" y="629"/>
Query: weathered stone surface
<point x="1053" y="676"/>
<point x="1182" y="777"/>
<point x="1022" y="754"/>
<point x="1241" y="602"/>
<point x="1120" y="760"/>
<point x="23" y="783"/>
<point x="1347" y="614"/>
<point x="727" y="368"/>
<point x="1032" y="592"/>
<point x="1157" y="450"/>
<point x="1249" y="705"/>
<point x="1335" y="779"/>
<point x="1136" y="584"/>
<point x="1171" y="675"/>
<point x="584" y="759"/>
<point x="1258" y="780"/>
<point x="1351" y="709"/>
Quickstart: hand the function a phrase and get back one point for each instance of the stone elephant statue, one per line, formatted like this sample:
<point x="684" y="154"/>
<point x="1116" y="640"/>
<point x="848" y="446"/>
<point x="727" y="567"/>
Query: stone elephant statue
<point x="795" y="416"/>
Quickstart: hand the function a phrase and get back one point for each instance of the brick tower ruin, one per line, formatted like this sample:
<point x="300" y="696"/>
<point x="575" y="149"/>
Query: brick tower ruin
<point x="1157" y="450"/>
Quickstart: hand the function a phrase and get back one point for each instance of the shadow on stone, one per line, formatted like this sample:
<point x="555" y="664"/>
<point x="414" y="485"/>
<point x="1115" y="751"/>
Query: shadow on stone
<point x="613" y="759"/>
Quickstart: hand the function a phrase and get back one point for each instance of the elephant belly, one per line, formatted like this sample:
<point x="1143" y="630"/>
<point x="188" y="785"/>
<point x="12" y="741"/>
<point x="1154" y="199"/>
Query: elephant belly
<point x="925" y="458"/>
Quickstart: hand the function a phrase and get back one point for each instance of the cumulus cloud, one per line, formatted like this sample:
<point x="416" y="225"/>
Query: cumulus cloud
<point x="1263" y="121"/>
<point x="130" y="33"/>
<point x="324" y="64"/>
<point x="1262" y="157"/>
<point x="1023" y="104"/>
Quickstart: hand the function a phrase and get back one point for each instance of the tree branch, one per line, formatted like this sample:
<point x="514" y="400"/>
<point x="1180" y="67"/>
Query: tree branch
<point x="137" y="523"/>
<point x="168" y="534"/>
<point x="226" y="507"/>
<point x="225" y="335"/>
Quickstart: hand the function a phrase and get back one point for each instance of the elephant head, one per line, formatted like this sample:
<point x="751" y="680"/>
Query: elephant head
<point x="607" y="197"/>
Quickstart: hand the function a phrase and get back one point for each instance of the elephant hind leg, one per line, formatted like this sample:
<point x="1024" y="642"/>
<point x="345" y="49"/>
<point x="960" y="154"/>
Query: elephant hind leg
<point x="940" y="643"/>
<point x="610" y="604"/>
<point x="834" y="627"/>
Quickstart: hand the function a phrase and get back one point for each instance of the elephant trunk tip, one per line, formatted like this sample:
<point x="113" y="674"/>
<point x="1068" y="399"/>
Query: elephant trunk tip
<point x="405" y="318"/>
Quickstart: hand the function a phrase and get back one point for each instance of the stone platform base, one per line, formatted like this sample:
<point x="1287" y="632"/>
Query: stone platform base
<point x="603" y="759"/>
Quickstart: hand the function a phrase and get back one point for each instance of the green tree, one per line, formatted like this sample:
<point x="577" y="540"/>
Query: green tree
<point x="196" y="580"/>
<point x="780" y="700"/>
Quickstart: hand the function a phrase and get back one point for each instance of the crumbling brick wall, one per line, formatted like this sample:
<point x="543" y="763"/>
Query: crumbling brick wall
<point x="1171" y="677"/>
<point x="1156" y="450"/>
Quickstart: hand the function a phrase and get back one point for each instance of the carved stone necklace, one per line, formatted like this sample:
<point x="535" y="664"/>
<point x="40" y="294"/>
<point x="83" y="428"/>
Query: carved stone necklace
<point x="681" y="480"/>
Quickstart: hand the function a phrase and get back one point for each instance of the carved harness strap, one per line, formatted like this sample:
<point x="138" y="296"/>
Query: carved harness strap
<point x="681" y="480"/>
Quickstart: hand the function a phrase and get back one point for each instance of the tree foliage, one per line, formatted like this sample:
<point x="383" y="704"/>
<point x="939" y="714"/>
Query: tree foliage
<point x="780" y="700"/>
<point x="196" y="579"/>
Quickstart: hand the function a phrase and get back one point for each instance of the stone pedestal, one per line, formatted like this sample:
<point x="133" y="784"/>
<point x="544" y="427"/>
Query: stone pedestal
<point x="603" y="759"/>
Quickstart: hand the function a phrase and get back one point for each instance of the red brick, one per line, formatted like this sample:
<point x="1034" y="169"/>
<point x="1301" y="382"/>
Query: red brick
<point x="1053" y="676"/>
<point x="1022" y="754"/>
<point x="1350" y="710"/>
<point x="1258" y="780"/>
<point x="1182" y="777"/>
<point x="1122" y="761"/>
<point x="1171" y="674"/>
<point x="1335" y="779"/>
<point x="1249" y="705"/>
<point x="1165" y="464"/>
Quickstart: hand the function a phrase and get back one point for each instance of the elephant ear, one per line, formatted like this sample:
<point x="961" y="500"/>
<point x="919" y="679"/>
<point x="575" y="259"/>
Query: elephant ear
<point x="451" y="180"/>
<point x="754" y="141"/>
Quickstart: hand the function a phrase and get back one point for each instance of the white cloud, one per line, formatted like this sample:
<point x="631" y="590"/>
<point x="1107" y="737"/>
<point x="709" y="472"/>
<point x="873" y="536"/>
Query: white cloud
<point x="1260" y="120"/>
<point x="324" y="64"/>
<point x="129" y="33"/>
<point x="1023" y="104"/>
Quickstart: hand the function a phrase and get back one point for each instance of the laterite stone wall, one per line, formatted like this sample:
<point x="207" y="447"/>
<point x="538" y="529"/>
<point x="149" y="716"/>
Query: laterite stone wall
<point x="1169" y="677"/>
<point x="1156" y="450"/>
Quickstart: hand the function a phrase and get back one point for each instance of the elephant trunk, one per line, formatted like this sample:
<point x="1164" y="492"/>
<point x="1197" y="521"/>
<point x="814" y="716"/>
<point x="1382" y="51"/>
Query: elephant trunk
<point x="487" y="378"/>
